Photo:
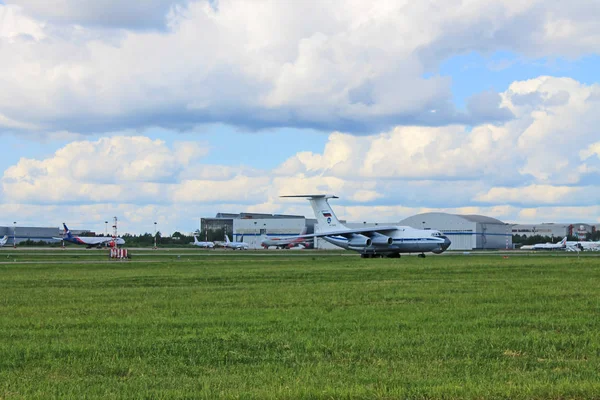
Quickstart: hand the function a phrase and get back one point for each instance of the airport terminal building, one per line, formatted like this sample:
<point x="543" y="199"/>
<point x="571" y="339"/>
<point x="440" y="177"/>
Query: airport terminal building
<point x="33" y="233"/>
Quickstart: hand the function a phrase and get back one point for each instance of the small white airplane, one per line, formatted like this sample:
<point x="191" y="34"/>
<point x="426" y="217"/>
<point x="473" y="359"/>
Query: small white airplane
<point x="3" y="240"/>
<point x="562" y="245"/>
<point x="206" y="245"/>
<point x="89" y="241"/>
<point x="235" y="245"/>
<point x="377" y="241"/>
<point x="286" y="242"/>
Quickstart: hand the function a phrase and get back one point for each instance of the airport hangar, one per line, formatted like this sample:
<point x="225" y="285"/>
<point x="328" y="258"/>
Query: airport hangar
<point x="467" y="232"/>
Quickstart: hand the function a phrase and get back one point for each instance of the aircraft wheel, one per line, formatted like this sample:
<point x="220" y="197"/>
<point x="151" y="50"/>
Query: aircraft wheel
<point x="422" y="255"/>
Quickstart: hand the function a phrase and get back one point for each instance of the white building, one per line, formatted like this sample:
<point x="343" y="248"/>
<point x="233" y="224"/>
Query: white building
<point x="546" y="229"/>
<point x="557" y="230"/>
<point x="34" y="233"/>
<point x="250" y="227"/>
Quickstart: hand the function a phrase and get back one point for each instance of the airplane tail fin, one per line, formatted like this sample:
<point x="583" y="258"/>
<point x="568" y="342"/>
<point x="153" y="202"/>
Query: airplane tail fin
<point x="67" y="231"/>
<point x="323" y="212"/>
<point x="227" y="239"/>
<point x="4" y="239"/>
<point x="563" y="242"/>
<point x="195" y="239"/>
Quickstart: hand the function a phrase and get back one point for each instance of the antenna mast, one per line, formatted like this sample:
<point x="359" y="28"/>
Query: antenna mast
<point x="114" y="237"/>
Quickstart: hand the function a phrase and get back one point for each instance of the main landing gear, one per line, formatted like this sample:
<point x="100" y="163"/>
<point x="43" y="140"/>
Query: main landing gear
<point x="422" y="255"/>
<point x="370" y="255"/>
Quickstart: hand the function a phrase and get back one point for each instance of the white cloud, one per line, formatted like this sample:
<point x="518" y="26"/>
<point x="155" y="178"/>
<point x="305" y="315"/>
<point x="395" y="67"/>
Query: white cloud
<point x="557" y="119"/>
<point x="147" y="14"/>
<point x="119" y="167"/>
<point x="554" y="214"/>
<point x="540" y="195"/>
<point x="15" y="26"/>
<point x="351" y="66"/>
<point x="590" y="151"/>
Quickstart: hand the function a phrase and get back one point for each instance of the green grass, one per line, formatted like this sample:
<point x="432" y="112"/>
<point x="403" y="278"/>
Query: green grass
<point x="241" y="326"/>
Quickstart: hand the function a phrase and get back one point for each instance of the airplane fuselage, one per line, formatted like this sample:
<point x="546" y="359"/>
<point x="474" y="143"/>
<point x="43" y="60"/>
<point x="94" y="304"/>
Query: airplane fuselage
<point x="237" y="245"/>
<point x="93" y="241"/>
<point x="206" y="245"/>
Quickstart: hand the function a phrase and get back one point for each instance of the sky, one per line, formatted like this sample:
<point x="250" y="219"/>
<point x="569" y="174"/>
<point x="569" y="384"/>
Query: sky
<point x="167" y="111"/>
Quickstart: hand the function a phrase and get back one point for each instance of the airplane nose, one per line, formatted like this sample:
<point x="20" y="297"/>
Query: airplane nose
<point x="446" y="244"/>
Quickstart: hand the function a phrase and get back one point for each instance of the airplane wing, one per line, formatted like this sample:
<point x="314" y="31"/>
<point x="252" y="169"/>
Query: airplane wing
<point x="384" y="230"/>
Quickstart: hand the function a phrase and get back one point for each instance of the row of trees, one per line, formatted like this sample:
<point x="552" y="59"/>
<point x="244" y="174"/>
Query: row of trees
<point x="145" y="240"/>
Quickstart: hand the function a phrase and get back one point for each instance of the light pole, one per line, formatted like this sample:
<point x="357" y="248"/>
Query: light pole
<point x="105" y="228"/>
<point x="255" y="237"/>
<point x="155" y="236"/>
<point x="15" y="235"/>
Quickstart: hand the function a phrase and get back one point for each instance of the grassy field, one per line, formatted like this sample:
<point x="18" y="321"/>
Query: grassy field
<point x="261" y="326"/>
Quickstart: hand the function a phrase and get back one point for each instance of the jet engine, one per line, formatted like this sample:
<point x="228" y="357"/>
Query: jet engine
<point x="358" y="240"/>
<point x="377" y="239"/>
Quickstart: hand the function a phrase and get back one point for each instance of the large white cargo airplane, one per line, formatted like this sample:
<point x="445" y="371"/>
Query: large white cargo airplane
<point x="88" y="241"/>
<point x="206" y="245"/>
<point x="377" y="241"/>
<point x="3" y="240"/>
<point x="235" y="245"/>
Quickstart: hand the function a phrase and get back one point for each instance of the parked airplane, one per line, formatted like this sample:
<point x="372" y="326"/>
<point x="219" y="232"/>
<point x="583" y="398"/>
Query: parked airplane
<point x="562" y="245"/>
<point x="583" y="246"/>
<point x="286" y="243"/>
<point x="235" y="245"/>
<point x="377" y="241"/>
<point x="206" y="245"/>
<point x="89" y="241"/>
<point x="3" y="240"/>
